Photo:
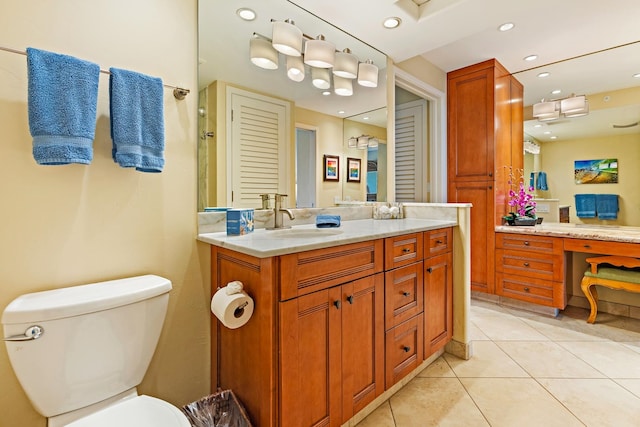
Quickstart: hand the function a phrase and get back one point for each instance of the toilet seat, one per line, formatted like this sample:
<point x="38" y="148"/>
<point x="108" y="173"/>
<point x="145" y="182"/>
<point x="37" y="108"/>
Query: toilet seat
<point x="139" y="411"/>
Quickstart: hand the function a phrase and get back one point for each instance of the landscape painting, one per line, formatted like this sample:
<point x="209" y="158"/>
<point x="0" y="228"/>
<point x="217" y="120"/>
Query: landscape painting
<point x="602" y="171"/>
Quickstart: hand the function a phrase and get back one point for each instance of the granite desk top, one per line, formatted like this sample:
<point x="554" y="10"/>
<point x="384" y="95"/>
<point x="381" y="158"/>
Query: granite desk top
<point x="264" y="243"/>
<point x="609" y="233"/>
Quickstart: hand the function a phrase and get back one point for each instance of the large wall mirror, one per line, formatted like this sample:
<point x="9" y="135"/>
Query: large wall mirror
<point x="610" y="80"/>
<point x="317" y="124"/>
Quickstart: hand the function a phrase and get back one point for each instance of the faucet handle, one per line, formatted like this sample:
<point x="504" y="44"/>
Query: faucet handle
<point x="279" y="197"/>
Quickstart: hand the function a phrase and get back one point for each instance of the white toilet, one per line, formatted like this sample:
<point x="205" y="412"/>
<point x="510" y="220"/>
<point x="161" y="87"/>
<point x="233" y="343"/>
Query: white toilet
<point x="80" y="352"/>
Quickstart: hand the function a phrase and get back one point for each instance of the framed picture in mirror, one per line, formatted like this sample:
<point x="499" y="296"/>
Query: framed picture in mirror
<point x="353" y="169"/>
<point x="331" y="168"/>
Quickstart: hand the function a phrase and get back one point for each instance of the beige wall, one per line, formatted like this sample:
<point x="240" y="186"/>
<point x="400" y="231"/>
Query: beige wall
<point x="68" y="225"/>
<point x="557" y="160"/>
<point x="425" y="71"/>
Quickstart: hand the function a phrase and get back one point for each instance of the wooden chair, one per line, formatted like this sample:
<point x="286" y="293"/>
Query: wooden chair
<point x="609" y="276"/>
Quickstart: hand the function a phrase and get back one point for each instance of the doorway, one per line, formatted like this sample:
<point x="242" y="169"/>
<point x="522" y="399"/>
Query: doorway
<point x="305" y="167"/>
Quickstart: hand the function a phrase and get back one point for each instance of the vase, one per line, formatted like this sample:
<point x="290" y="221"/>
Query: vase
<point x="524" y="221"/>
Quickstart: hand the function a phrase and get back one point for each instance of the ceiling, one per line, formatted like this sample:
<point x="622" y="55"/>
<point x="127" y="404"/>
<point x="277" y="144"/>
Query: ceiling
<point x="455" y="33"/>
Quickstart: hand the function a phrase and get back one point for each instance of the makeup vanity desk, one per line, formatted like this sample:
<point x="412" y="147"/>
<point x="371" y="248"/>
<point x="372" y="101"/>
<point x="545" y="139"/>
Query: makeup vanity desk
<point x="531" y="262"/>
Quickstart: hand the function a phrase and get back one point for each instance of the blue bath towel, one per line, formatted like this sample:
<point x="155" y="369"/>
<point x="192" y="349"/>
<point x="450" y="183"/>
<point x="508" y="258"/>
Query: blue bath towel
<point x="325" y="221"/>
<point x="586" y="205"/>
<point x="62" y="105"/>
<point x="607" y="206"/>
<point x="541" y="182"/>
<point x="137" y="120"/>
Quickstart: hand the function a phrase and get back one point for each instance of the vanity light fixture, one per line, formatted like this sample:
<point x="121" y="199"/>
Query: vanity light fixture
<point x="572" y="106"/>
<point x="346" y="65"/>
<point x="367" y="74"/>
<point x="287" y="38"/>
<point x="262" y="53"/>
<point x="362" y="142"/>
<point x="321" y="78"/>
<point x="342" y="86"/>
<point x="319" y="53"/>
<point x="353" y="142"/>
<point x="391" y="22"/>
<point x="295" y="68"/>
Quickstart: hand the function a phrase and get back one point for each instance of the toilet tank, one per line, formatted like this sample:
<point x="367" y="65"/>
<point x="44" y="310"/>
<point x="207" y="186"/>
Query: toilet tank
<point x="97" y="340"/>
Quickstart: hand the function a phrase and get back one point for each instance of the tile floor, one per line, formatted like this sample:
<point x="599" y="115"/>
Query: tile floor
<point x="527" y="370"/>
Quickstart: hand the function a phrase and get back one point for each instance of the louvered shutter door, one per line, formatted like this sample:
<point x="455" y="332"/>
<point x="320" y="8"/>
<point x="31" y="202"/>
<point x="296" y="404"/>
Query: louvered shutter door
<point x="259" y="150"/>
<point x="409" y="151"/>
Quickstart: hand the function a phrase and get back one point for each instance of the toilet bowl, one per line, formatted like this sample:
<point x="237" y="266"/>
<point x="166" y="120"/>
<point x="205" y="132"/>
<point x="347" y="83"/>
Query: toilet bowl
<point x="80" y="352"/>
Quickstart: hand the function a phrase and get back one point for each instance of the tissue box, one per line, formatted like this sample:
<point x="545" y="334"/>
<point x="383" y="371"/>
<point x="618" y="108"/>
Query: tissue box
<point x="239" y="221"/>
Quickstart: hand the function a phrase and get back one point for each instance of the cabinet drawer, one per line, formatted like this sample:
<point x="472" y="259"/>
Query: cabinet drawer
<point x="533" y="290"/>
<point x="402" y="250"/>
<point x="530" y="264"/>
<point x="403" y="293"/>
<point x="529" y="243"/>
<point x="404" y="345"/>
<point x="600" y="247"/>
<point x="437" y="242"/>
<point x="306" y="272"/>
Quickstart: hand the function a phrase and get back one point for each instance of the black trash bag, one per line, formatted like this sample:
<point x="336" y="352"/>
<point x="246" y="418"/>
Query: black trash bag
<point x="221" y="409"/>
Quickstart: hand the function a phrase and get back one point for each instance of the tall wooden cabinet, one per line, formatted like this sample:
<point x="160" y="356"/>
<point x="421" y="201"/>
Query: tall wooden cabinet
<point x="485" y="140"/>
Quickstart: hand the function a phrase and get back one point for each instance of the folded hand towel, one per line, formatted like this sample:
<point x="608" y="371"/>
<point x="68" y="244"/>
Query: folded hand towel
<point x="541" y="182"/>
<point x="137" y="120"/>
<point x="586" y="205"/>
<point x="607" y="206"/>
<point x="325" y="221"/>
<point x="62" y="105"/>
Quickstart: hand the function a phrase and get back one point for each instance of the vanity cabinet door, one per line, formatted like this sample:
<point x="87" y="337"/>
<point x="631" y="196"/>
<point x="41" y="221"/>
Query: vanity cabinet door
<point x="332" y="353"/>
<point x="310" y="359"/>
<point x="438" y="302"/>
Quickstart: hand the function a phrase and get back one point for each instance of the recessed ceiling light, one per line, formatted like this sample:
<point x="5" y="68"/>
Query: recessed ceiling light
<point x="531" y="58"/>
<point x="246" y="14"/>
<point x="637" y="75"/>
<point x="553" y="137"/>
<point x="545" y="74"/>
<point x="537" y="126"/>
<point x="392" y="22"/>
<point x="548" y="132"/>
<point x="341" y="112"/>
<point x="365" y="118"/>
<point x="506" y="26"/>
<point x="326" y="93"/>
<point x="555" y="92"/>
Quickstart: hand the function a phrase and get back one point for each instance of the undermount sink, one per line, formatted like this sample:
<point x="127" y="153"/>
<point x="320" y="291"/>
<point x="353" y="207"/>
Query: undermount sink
<point x="305" y="233"/>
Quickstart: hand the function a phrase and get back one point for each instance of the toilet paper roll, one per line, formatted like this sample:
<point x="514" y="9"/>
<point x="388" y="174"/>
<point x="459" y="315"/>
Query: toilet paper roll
<point x="233" y="310"/>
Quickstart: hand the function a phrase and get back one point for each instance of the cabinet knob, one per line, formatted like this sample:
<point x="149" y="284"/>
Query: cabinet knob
<point x="526" y="243"/>
<point x="439" y="242"/>
<point x="406" y="349"/>
<point x="490" y="173"/>
<point x="406" y="250"/>
<point x="406" y="294"/>
<point x="587" y="246"/>
<point x="526" y="289"/>
<point x="526" y="264"/>
<point x="429" y="269"/>
<point x="337" y="304"/>
<point x="490" y="187"/>
<point x="350" y="299"/>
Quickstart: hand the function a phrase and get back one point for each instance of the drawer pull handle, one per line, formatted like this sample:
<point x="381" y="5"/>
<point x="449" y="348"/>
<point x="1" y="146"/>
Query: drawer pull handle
<point x="439" y="242"/>
<point x="587" y="246"/>
<point x="337" y="304"/>
<point x="406" y="250"/>
<point x="526" y="243"/>
<point x="429" y="269"/>
<point x="350" y="299"/>
<point x="526" y="289"/>
<point x="406" y="294"/>
<point x="526" y="264"/>
<point x="406" y="349"/>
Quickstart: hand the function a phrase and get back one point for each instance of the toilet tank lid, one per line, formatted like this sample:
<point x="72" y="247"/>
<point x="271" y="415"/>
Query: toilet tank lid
<point x="77" y="300"/>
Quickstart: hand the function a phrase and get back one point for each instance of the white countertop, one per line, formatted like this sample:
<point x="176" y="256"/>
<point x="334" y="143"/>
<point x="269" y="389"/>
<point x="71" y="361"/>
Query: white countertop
<point x="611" y="233"/>
<point x="264" y="243"/>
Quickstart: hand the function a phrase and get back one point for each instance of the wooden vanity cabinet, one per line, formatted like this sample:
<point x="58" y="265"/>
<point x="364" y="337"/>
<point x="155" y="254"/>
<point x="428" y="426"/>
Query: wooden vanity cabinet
<point x="484" y="138"/>
<point x="531" y="268"/>
<point x="438" y="290"/>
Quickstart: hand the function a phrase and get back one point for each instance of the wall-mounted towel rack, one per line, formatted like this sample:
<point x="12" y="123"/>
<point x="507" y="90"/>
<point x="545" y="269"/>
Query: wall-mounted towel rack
<point x="178" y="92"/>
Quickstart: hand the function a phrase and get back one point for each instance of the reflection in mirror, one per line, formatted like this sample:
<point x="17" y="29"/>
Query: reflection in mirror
<point x="610" y="130"/>
<point x="228" y="79"/>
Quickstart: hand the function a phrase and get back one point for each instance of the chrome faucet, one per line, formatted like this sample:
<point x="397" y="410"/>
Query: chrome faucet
<point x="278" y="211"/>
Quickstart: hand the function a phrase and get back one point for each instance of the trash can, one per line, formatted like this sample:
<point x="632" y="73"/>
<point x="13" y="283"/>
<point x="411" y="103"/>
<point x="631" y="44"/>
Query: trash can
<point x="221" y="409"/>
